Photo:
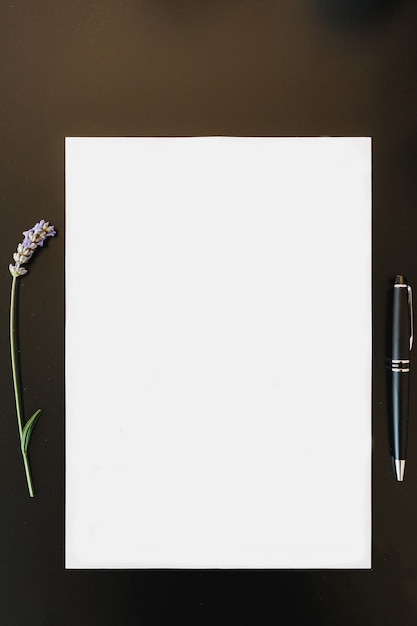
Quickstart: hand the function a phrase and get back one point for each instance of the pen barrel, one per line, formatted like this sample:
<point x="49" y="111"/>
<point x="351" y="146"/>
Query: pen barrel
<point x="400" y="397"/>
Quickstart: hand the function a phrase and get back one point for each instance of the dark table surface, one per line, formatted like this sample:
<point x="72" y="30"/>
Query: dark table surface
<point x="177" y="67"/>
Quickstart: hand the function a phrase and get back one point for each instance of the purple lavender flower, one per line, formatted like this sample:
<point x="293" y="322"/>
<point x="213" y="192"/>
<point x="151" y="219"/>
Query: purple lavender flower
<point x="33" y="238"/>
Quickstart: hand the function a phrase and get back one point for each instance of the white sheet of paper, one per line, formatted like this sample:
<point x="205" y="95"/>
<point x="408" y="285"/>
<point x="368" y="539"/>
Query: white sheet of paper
<point x="218" y="352"/>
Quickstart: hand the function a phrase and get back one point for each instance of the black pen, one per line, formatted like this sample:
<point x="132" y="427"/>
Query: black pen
<point x="402" y="342"/>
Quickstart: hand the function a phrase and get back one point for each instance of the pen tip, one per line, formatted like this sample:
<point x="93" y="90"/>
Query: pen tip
<point x="400" y="280"/>
<point x="399" y="465"/>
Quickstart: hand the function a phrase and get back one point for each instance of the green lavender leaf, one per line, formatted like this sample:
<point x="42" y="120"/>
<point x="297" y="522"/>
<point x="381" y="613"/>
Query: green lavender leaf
<point x="27" y="430"/>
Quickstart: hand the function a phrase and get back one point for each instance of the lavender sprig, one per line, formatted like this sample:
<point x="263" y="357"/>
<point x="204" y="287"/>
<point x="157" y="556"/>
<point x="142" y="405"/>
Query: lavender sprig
<point x="33" y="239"/>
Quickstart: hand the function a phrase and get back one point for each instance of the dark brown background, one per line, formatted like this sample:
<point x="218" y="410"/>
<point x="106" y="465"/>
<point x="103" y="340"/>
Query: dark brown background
<point x="182" y="67"/>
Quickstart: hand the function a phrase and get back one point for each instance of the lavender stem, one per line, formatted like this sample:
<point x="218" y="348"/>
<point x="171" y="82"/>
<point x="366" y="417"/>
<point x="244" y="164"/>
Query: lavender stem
<point x="15" y="367"/>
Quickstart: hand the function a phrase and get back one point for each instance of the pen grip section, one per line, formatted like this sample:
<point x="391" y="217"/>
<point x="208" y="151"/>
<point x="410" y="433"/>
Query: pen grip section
<point x="400" y="398"/>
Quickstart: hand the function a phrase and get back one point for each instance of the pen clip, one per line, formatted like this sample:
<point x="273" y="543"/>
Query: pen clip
<point x="410" y="308"/>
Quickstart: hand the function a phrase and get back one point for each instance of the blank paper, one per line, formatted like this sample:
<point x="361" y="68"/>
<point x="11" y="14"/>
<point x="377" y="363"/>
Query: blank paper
<point x="218" y="352"/>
